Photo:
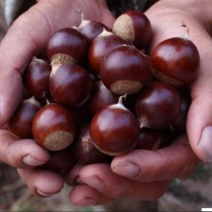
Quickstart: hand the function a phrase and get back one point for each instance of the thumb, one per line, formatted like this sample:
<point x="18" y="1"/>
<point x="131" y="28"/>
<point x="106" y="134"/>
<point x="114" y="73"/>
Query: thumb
<point x="200" y="126"/>
<point x="199" y="120"/>
<point x="16" y="50"/>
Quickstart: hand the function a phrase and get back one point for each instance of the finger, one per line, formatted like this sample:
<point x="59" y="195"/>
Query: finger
<point x="199" y="127"/>
<point x="10" y="93"/>
<point x="72" y="176"/>
<point x="175" y="161"/>
<point x="83" y="195"/>
<point x="101" y="178"/>
<point x="199" y="121"/>
<point x="199" y="124"/>
<point x="40" y="182"/>
<point x="21" y="153"/>
<point x="13" y="61"/>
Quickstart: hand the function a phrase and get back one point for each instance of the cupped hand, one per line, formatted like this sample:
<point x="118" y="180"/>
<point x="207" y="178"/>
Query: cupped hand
<point x="140" y="174"/>
<point x="146" y="175"/>
<point x="167" y="17"/>
<point x="26" y="38"/>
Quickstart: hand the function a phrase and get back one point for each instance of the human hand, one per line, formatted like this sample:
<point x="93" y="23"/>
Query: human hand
<point x="26" y="38"/>
<point x="145" y="174"/>
<point x="140" y="174"/>
<point x="132" y="187"/>
<point x="166" y="17"/>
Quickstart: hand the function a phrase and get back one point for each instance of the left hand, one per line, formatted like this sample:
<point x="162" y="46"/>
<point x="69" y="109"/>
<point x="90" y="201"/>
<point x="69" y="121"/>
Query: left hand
<point x="140" y="174"/>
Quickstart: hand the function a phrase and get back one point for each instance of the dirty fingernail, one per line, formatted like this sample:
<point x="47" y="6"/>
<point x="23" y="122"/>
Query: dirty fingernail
<point x="205" y="143"/>
<point x="87" y="201"/>
<point x="94" y="182"/>
<point x="43" y="194"/>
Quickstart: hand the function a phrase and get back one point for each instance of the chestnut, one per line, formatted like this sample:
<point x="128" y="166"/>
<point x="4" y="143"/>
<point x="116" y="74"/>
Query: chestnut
<point x="60" y="161"/>
<point x="114" y="130"/>
<point x="66" y="45"/>
<point x="152" y="139"/>
<point x="91" y="29"/>
<point x="70" y="85"/>
<point x="36" y="77"/>
<point x="135" y="28"/>
<point x="100" y="47"/>
<point x="157" y="105"/>
<point x="180" y="123"/>
<point x="148" y="139"/>
<point x="84" y="150"/>
<point x="125" y="70"/>
<point x="20" y="124"/>
<point x="53" y="127"/>
<point x="100" y="98"/>
<point x="176" y="61"/>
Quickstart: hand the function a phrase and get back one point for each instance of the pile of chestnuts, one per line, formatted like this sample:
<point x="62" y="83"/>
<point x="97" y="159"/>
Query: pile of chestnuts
<point x="98" y="94"/>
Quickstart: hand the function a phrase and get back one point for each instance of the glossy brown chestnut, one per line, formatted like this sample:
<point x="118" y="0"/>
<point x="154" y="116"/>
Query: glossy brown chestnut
<point x="158" y="105"/>
<point x="36" y="77"/>
<point x="114" y="130"/>
<point x="66" y="45"/>
<point x="91" y="29"/>
<point x="54" y="127"/>
<point x="20" y="124"/>
<point x="60" y="161"/>
<point x="135" y="28"/>
<point x="70" y="85"/>
<point x="81" y="114"/>
<point x="180" y="123"/>
<point x="100" y="47"/>
<point x="100" y="98"/>
<point x="152" y="139"/>
<point x="125" y="70"/>
<point x="175" y="60"/>
<point x="84" y="150"/>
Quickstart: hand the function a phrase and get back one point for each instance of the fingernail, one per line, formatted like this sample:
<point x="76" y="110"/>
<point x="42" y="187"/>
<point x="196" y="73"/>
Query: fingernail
<point x="126" y="169"/>
<point x="94" y="182"/>
<point x="42" y="193"/>
<point x="28" y="160"/>
<point x="79" y="181"/>
<point x="87" y="201"/>
<point x="206" y="143"/>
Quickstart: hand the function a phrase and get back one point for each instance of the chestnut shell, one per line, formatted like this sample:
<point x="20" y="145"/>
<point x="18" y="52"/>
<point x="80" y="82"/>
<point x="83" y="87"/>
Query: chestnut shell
<point x="84" y="150"/>
<point x="20" y="124"/>
<point x="67" y="41"/>
<point x="36" y="77"/>
<point x="114" y="130"/>
<point x="176" y="61"/>
<point x="158" y="105"/>
<point x="70" y="85"/>
<point x="53" y="127"/>
<point x="135" y="28"/>
<point x="125" y="70"/>
<point x="100" y="47"/>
